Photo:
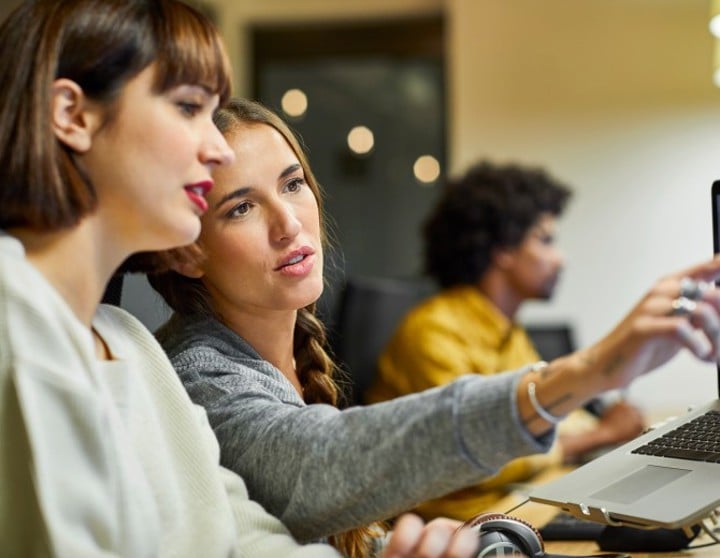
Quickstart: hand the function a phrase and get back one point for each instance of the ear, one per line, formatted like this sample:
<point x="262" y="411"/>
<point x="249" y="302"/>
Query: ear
<point x="72" y="121"/>
<point x="187" y="260"/>
<point x="503" y="258"/>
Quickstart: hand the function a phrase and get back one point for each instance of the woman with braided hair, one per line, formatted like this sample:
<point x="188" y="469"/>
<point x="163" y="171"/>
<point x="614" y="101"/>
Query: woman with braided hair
<point x="247" y="345"/>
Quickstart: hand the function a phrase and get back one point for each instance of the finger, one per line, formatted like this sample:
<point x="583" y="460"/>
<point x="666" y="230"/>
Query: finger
<point x="694" y="289"/>
<point x="434" y="541"/>
<point x="683" y="332"/>
<point x="712" y="297"/>
<point x="463" y="544"/>
<point x="698" y="345"/>
<point x="705" y="271"/>
<point x="701" y="334"/>
<point x="706" y="319"/>
<point x="675" y="332"/>
<point x="405" y="537"/>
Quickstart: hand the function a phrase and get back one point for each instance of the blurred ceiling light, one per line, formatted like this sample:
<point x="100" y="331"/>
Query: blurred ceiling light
<point x="361" y="140"/>
<point x="294" y="102"/>
<point x="714" y="25"/>
<point x="715" y="30"/>
<point x="715" y="18"/>
<point x="426" y="169"/>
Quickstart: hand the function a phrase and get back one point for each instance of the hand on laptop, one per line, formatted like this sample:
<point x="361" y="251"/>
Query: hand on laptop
<point x="682" y="310"/>
<point x="618" y="423"/>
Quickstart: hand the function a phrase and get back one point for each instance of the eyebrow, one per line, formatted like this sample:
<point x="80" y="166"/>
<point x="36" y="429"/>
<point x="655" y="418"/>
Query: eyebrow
<point x="245" y="190"/>
<point x="239" y="193"/>
<point x="291" y="169"/>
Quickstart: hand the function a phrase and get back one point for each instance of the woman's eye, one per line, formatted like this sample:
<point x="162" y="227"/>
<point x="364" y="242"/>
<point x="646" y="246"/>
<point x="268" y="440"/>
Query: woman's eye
<point x="295" y="184"/>
<point x="240" y="210"/>
<point x="189" y="108"/>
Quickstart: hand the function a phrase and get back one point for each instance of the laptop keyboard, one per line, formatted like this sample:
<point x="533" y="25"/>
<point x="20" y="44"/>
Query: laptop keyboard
<point x="696" y="440"/>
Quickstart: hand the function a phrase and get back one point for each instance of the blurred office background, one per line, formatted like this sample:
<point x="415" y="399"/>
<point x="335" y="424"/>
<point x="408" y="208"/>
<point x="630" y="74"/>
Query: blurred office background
<point x="615" y="97"/>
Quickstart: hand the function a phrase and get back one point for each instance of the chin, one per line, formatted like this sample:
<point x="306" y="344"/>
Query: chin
<point x="186" y="235"/>
<point x="308" y="296"/>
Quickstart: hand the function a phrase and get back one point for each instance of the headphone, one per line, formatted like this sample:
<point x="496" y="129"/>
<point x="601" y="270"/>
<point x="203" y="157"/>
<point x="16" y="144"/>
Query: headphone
<point x="509" y="537"/>
<point x="502" y="535"/>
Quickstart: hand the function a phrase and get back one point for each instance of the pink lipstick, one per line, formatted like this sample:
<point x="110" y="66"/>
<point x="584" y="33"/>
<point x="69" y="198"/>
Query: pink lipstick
<point x="297" y="263"/>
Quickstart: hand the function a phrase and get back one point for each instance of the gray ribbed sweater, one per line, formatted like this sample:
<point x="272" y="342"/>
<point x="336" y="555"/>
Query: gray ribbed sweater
<point x="322" y="470"/>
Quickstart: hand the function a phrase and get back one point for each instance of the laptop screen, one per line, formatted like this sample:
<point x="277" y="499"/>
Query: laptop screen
<point x="715" y="193"/>
<point x="715" y="212"/>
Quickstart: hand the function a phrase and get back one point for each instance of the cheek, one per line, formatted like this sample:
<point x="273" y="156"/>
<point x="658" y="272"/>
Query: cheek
<point x="309" y="214"/>
<point x="227" y="251"/>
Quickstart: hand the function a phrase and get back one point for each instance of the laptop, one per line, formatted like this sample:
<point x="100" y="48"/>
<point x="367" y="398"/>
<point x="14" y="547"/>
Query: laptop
<point x="654" y="480"/>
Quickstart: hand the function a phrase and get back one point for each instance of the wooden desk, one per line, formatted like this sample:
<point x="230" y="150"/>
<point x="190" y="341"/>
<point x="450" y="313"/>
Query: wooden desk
<point x="539" y="514"/>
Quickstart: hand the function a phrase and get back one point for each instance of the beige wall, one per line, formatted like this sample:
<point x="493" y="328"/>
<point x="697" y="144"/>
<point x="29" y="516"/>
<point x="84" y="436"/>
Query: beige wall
<point x="615" y="97"/>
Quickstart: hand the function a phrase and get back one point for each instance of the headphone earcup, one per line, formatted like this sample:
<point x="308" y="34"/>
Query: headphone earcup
<point x="502" y="535"/>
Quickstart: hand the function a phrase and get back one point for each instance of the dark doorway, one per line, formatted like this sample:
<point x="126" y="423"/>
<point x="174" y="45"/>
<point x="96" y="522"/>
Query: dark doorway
<point x="388" y="77"/>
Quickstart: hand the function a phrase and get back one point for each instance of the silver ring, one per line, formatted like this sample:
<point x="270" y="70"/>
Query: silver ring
<point x="692" y="289"/>
<point x="682" y="306"/>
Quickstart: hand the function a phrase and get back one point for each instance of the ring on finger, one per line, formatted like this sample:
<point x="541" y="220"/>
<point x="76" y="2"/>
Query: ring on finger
<point x="692" y="289"/>
<point x="682" y="306"/>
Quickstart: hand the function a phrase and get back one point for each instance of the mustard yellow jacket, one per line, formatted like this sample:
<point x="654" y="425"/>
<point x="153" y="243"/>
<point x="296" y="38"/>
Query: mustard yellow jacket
<point x="455" y="332"/>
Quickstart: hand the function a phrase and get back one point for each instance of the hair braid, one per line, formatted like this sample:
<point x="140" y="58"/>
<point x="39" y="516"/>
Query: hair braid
<point x="315" y="369"/>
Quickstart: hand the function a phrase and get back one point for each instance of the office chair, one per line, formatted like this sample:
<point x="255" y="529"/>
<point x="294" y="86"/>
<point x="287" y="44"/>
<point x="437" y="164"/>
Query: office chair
<point x="551" y="340"/>
<point x="369" y="310"/>
<point x="113" y="291"/>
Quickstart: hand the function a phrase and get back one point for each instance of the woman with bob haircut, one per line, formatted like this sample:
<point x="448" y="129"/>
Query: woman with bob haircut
<point x="107" y="144"/>
<point x="245" y="340"/>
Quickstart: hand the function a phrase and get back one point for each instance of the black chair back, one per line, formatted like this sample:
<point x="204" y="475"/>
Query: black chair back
<point x="369" y="310"/>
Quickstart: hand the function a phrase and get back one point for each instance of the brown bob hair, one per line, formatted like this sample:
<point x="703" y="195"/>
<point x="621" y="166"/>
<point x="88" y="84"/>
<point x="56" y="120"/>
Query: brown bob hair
<point x="100" y="45"/>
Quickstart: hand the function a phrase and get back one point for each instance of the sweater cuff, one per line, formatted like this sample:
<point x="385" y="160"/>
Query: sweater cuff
<point x="488" y="421"/>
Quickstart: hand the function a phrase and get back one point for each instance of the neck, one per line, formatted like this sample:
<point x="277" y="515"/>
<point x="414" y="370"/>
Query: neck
<point x="75" y="262"/>
<point x="271" y="334"/>
<point x="497" y="289"/>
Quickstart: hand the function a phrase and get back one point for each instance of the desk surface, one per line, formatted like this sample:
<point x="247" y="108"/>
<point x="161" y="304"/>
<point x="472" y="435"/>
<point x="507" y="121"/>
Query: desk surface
<point x="539" y="514"/>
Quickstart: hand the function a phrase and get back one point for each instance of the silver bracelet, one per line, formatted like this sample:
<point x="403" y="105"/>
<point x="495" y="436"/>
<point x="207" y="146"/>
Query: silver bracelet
<point x="539" y="409"/>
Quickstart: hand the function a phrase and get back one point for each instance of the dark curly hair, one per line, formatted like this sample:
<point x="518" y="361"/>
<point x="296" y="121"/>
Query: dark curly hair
<point x="491" y="206"/>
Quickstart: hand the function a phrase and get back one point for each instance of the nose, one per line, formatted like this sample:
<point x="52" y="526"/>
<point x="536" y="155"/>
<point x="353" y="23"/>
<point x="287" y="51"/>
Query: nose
<point x="285" y="224"/>
<point x="215" y="150"/>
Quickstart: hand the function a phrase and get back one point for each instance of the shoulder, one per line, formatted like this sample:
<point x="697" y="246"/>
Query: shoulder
<point x="439" y="312"/>
<point x="126" y="334"/>
<point x="202" y="335"/>
<point x="203" y="340"/>
<point x="210" y="357"/>
<point x="115" y="316"/>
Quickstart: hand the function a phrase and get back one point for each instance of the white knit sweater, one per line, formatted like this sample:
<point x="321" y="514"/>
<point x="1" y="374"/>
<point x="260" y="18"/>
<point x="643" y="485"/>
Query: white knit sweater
<point x="109" y="458"/>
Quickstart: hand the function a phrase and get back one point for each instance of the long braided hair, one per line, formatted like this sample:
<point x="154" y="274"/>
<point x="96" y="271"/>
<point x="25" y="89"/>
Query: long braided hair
<point x="314" y="365"/>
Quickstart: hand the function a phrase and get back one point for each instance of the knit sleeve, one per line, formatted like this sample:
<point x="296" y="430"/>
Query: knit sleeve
<point x="262" y="535"/>
<point x="322" y="470"/>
